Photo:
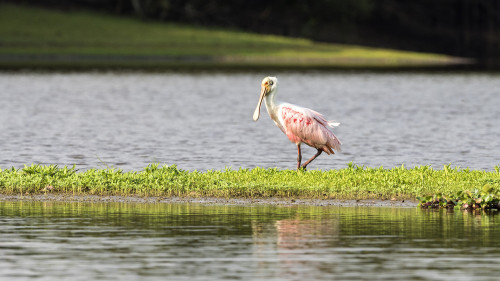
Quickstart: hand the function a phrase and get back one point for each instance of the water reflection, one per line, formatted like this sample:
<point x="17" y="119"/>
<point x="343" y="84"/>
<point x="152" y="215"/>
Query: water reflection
<point x="88" y="241"/>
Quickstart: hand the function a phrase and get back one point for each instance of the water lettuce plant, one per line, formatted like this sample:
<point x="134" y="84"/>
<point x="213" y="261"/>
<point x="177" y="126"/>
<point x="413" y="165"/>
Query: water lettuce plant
<point x="488" y="198"/>
<point x="352" y="182"/>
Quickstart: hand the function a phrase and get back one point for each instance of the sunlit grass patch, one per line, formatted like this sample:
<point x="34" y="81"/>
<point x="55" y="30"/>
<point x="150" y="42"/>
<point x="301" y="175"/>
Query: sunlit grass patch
<point x="352" y="182"/>
<point x="38" y="32"/>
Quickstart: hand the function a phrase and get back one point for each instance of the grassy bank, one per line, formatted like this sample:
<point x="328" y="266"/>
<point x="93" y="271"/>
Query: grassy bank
<point x="36" y="37"/>
<point x="353" y="182"/>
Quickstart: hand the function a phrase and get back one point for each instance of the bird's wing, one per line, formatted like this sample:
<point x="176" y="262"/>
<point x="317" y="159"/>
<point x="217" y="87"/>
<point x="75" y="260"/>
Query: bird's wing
<point x="322" y="119"/>
<point x="308" y="126"/>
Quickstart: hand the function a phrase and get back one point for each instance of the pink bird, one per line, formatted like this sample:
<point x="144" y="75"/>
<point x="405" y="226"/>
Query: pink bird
<point x="301" y="125"/>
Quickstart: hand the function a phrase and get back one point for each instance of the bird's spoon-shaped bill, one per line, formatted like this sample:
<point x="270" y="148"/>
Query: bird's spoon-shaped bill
<point x="256" y="113"/>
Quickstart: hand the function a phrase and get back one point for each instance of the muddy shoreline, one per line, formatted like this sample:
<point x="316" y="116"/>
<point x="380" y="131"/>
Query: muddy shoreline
<point x="207" y="200"/>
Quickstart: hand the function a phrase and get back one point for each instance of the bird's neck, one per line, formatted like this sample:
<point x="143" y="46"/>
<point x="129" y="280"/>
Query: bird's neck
<point x="271" y="104"/>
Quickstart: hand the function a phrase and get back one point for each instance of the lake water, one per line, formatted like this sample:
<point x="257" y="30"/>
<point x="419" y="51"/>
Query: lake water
<point x="204" y="121"/>
<point x="126" y="241"/>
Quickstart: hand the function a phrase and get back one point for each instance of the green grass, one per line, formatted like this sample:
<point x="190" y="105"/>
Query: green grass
<point x="352" y="182"/>
<point x="40" y="32"/>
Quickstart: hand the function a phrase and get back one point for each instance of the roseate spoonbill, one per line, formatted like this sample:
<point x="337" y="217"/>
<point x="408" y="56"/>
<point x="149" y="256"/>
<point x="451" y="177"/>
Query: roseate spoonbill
<point x="301" y="125"/>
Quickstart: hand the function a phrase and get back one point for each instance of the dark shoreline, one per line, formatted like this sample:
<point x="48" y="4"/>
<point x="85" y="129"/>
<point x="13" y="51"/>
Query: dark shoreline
<point x="155" y="63"/>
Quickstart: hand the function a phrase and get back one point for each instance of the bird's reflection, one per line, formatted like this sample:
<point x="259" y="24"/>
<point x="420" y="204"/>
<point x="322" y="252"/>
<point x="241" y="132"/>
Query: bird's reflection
<point x="289" y="243"/>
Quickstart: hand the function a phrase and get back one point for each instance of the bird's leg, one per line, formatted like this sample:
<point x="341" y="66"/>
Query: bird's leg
<point x="299" y="157"/>
<point x="312" y="158"/>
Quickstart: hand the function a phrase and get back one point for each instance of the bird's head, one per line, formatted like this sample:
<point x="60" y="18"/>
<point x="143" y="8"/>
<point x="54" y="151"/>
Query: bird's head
<point x="268" y="85"/>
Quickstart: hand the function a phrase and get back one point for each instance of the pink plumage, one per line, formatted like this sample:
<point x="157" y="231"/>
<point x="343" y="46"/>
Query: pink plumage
<point x="301" y="125"/>
<point x="307" y="126"/>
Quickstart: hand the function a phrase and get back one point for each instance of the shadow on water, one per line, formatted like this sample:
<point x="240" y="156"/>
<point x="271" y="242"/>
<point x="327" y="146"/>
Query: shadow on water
<point x="125" y="241"/>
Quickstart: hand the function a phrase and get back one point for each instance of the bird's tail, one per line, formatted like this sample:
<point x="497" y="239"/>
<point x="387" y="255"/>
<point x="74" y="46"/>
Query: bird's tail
<point x="333" y="141"/>
<point x="333" y="124"/>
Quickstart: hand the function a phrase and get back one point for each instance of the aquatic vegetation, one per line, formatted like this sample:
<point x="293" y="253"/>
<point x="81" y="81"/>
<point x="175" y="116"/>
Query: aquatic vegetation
<point x="352" y="182"/>
<point x="488" y="198"/>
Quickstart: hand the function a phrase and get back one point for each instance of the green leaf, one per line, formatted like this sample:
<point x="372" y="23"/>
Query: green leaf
<point x="488" y="198"/>
<point x="487" y="188"/>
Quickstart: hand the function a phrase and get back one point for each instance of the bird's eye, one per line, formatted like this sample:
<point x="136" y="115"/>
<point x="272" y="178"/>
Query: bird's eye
<point x="271" y="83"/>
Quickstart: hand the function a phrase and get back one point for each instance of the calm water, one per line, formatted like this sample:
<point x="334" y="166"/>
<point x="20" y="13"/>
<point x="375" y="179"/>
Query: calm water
<point x="125" y="241"/>
<point x="204" y="121"/>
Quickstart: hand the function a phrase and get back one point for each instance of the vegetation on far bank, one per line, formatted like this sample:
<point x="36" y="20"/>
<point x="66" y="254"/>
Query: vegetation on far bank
<point x="352" y="182"/>
<point x="32" y="36"/>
